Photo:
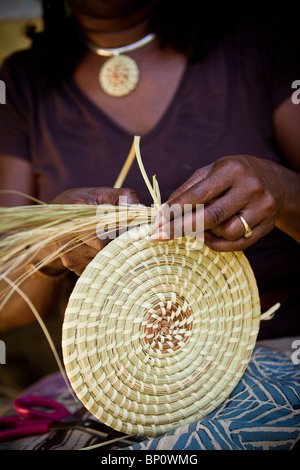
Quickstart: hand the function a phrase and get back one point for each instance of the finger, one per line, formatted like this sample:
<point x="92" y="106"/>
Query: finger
<point x="189" y="224"/>
<point x="234" y="228"/>
<point x="77" y="255"/>
<point x="75" y="263"/>
<point x="219" y="243"/>
<point x="90" y="241"/>
<point x="198" y="176"/>
<point x="117" y="197"/>
<point x="98" y="242"/>
<point x="169" y="209"/>
<point x="216" y="214"/>
<point x="220" y="211"/>
<point x="222" y="244"/>
<point x="131" y="195"/>
<point x="97" y="196"/>
<point x="193" y="224"/>
<point x="202" y="192"/>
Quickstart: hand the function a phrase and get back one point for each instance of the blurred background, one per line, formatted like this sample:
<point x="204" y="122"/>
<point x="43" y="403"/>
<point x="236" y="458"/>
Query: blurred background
<point x="15" y="15"/>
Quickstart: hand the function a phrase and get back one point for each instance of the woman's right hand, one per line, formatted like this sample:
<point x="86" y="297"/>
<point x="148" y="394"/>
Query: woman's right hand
<point x="77" y="258"/>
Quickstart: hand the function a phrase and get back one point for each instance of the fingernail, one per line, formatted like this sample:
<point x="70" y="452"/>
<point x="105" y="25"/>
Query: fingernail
<point x="160" y="235"/>
<point x="160" y="221"/>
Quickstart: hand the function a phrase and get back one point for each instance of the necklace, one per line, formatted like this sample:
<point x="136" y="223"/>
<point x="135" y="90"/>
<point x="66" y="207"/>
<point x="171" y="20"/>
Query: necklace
<point x="119" y="75"/>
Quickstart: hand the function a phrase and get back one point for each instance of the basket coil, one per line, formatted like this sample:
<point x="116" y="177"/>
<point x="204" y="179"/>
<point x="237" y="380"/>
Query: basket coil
<point x="157" y="335"/>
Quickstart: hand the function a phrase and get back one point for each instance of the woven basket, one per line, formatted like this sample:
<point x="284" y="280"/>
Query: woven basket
<point x="157" y="335"/>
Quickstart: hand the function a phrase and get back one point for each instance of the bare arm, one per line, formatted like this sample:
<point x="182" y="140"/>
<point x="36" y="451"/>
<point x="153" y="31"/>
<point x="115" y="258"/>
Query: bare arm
<point x="287" y="127"/>
<point x="15" y="174"/>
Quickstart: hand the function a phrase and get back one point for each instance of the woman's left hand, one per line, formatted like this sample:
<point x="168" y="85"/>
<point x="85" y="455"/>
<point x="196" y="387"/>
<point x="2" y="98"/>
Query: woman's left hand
<point x="235" y="186"/>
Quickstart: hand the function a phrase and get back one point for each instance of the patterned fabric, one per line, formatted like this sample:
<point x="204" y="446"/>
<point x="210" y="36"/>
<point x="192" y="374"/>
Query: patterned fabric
<point x="263" y="412"/>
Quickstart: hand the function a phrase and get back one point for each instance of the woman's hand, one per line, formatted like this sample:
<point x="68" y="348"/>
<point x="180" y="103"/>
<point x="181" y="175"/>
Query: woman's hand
<point x="242" y="185"/>
<point x="78" y="257"/>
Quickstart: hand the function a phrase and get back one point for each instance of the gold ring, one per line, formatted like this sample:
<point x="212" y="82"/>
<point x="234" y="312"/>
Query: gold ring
<point x="248" y="231"/>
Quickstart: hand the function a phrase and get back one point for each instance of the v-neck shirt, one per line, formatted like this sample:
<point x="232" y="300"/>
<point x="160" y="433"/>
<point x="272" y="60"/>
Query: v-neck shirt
<point x="223" y="106"/>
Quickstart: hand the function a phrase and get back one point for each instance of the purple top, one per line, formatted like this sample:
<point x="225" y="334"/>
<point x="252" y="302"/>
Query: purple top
<point x="223" y="106"/>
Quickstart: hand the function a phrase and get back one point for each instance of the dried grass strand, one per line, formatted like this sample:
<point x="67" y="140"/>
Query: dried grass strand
<point x="25" y="231"/>
<point x="45" y="331"/>
<point x="126" y="167"/>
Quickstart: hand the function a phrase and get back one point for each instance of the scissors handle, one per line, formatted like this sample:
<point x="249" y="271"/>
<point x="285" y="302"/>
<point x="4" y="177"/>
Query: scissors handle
<point x="34" y="407"/>
<point x="12" y="427"/>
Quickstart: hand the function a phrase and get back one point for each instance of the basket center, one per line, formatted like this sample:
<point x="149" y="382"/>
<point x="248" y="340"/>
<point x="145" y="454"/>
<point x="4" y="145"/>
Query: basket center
<point x="168" y="327"/>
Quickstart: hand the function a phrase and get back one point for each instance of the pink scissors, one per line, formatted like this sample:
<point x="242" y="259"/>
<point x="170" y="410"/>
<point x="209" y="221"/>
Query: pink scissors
<point x="40" y="415"/>
<point x="35" y="415"/>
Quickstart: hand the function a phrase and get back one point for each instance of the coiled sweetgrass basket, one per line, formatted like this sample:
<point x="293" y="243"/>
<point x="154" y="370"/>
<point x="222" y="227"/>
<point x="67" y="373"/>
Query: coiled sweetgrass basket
<point x="157" y="335"/>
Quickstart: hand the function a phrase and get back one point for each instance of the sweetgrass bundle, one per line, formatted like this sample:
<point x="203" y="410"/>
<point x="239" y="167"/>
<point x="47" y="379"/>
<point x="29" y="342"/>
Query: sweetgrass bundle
<point x="155" y="335"/>
<point x="27" y="230"/>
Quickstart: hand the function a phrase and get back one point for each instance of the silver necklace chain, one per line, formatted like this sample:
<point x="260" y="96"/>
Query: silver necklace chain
<point x="108" y="52"/>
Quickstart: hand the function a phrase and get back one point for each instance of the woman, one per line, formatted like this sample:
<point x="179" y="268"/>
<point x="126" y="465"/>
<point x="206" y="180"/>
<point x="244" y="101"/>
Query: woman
<point x="212" y="102"/>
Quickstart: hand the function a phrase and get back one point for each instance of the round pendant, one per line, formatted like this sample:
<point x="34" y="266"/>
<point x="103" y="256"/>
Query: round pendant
<point x="119" y="75"/>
